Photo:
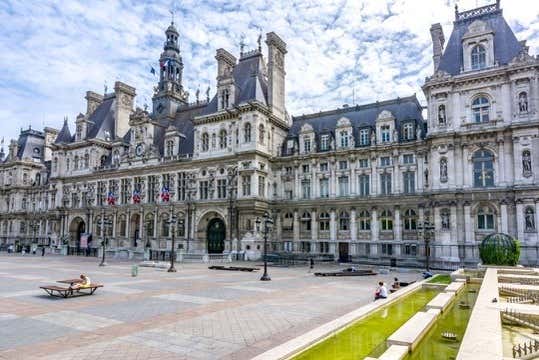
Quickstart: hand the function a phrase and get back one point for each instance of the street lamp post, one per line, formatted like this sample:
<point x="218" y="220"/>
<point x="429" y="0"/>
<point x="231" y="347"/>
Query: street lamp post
<point x="104" y="224"/>
<point x="425" y="228"/>
<point x="190" y="195"/>
<point x="172" y="222"/>
<point x="268" y="222"/>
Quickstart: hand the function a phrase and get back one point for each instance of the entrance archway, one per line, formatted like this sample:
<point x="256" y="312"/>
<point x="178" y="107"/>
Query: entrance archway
<point x="76" y="228"/>
<point x="216" y="234"/>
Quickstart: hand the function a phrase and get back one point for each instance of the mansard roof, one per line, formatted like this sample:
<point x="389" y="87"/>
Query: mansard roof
<point x="403" y="109"/>
<point x="506" y="45"/>
<point x="250" y="79"/>
<point x="101" y="121"/>
<point x="31" y="145"/>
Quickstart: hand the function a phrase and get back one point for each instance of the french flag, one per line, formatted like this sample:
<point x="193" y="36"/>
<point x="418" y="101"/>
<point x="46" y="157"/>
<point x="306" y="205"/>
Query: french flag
<point x="111" y="199"/>
<point x="165" y="194"/>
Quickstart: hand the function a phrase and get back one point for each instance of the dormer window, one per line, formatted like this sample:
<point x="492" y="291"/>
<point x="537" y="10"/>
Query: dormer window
<point x="364" y="137"/>
<point x="344" y="138"/>
<point x="480" y="109"/>
<point x="479" y="57"/>
<point x="385" y="133"/>
<point x="307" y="144"/>
<point x="170" y="148"/>
<point x="324" y="142"/>
<point x="408" y="132"/>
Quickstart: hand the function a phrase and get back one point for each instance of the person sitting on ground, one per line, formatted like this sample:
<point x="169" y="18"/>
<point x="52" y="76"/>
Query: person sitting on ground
<point x="85" y="283"/>
<point x="396" y="284"/>
<point x="381" y="291"/>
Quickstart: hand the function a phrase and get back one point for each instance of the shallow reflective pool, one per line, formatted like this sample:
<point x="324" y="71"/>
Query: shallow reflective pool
<point x="454" y="319"/>
<point x="368" y="336"/>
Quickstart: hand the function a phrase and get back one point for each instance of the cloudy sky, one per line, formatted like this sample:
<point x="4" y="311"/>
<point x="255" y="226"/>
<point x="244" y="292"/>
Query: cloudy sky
<point x="54" y="51"/>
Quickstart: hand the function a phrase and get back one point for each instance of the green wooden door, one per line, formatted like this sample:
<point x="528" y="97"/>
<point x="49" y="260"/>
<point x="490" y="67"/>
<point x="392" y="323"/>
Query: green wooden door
<point x="216" y="236"/>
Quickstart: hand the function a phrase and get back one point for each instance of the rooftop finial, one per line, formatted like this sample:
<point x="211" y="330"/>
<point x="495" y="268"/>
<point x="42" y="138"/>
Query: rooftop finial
<point x="456" y="11"/>
<point x="242" y="43"/>
<point x="171" y="16"/>
<point x="105" y="87"/>
<point x="259" y="41"/>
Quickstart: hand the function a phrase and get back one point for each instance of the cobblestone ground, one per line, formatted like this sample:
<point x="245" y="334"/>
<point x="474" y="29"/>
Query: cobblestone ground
<point x="195" y="313"/>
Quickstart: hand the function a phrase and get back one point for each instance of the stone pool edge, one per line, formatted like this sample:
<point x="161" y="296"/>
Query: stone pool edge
<point x="302" y="342"/>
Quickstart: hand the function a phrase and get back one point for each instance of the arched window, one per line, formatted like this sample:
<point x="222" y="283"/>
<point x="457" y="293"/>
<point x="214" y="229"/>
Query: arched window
<point x="344" y="221"/>
<point x="442" y="120"/>
<point x="323" y="221"/>
<point x="247" y="133"/>
<point x="523" y="102"/>
<point x="55" y="164"/>
<point x="205" y="142"/>
<point x="38" y="179"/>
<point x="443" y="170"/>
<point x="344" y="138"/>
<point x="306" y="221"/>
<point x="288" y="221"/>
<point x="103" y="160"/>
<point x="261" y="133"/>
<point x="526" y="163"/>
<point x="364" y="220"/>
<point x="24" y="203"/>
<point x="483" y="168"/>
<point x="485" y="218"/>
<point x="122" y="225"/>
<point x="86" y="161"/>
<point x="148" y="225"/>
<point x="481" y="109"/>
<point x="222" y="139"/>
<point x="479" y="57"/>
<point x="410" y="220"/>
<point x="445" y="218"/>
<point x="386" y="220"/>
<point x="76" y="163"/>
<point x="529" y="218"/>
<point x="165" y="225"/>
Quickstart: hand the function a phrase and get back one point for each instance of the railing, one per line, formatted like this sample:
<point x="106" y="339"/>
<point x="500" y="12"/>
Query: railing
<point x="529" y="294"/>
<point x="524" y="281"/>
<point x="526" y="348"/>
<point x="74" y="250"/>
<point x="527" y="320"/>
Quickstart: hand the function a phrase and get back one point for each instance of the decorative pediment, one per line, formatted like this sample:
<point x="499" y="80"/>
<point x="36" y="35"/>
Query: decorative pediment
<point x="476" y="28"/>
<point x="385" y="115"/>
<point x="344" y="122"/>
<point x="306" y="128"/>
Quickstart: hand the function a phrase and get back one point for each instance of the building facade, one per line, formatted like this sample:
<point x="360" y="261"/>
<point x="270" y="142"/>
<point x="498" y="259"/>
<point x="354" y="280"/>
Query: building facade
<point x="358" y="183"/>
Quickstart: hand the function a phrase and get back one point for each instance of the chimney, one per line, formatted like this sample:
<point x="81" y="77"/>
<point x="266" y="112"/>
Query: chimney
<point x="276" y="74"/>
<point x="123" y="108"/>
<point x="225" y="64"/>
<point x="226" y="91"/>
<point x="50" y="136"/>
<point x="438" y="41"/>
<point x="93" y="100"/>
<point x="13" y="149"/>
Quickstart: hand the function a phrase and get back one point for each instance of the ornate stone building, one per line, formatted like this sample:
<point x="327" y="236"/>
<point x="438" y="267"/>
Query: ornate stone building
<point x="358" y="182"/>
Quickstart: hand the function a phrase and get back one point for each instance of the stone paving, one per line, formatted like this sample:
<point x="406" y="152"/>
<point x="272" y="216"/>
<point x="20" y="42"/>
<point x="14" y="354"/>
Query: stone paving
<point x="195" y="313"/>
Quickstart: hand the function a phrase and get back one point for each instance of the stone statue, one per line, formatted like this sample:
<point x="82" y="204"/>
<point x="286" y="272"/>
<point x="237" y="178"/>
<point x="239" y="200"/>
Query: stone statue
<point x="441" y="114"/>
<point x="197" y="94"/>
<point x="445" y="220"/>
<point x="443" y="170"/>
<point x="530" y="219"/>
<point x="526" y="163"/>
<point x="208" y="94"/>
<point x="523" y="102"/>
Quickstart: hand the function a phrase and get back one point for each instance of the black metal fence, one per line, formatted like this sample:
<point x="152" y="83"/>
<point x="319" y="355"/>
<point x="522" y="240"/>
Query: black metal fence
<point x="74" y="250"/>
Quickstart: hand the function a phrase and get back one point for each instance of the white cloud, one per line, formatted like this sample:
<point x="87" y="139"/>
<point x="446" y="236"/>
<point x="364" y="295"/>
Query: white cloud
<point x="54" y="51"/>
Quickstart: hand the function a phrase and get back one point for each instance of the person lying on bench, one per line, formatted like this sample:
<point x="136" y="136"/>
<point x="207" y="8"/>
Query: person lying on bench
<point x="85" y="283"/>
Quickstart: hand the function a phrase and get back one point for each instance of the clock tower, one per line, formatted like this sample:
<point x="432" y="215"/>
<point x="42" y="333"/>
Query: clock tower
<point x="169" y="94"/>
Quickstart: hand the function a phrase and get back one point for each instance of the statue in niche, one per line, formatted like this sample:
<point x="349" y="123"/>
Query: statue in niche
<point x="526" y="163"/>
<point x="529" y="218"/>
<point x="523" y="102"/>
<point x="443" y="170"/>
<point x="445" y="220"/>
<point x="441" y="115"/>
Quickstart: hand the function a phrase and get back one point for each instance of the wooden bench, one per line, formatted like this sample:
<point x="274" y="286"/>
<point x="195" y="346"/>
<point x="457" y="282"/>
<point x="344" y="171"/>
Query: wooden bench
<point x="66" y="292"/>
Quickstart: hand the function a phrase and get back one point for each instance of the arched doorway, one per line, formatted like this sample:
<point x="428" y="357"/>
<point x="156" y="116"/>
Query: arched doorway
<point x="216" y="234"/>
<point x="76" y="228"/>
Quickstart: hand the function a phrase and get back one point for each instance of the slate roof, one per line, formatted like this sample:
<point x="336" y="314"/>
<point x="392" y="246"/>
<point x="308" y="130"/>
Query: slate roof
<point x="31" y="145"/>
<point x="360" y="116"/>
<point x="506" y="45"/>
<point x="102" y="120"/>
<point x="64" y="136"/>
<point x="250" y="80"/>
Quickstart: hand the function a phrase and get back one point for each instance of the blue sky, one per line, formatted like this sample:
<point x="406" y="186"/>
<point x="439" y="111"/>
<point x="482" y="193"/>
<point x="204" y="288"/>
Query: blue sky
<point x="54" y="51"/>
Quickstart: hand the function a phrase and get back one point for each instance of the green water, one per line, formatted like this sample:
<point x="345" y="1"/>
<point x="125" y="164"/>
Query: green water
<point x="454" y="319"/>
<point x="440" y="279"/>
<point x="368" y="336"/>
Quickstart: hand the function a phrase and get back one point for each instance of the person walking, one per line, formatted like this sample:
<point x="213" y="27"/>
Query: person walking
<point x="43" y="251"/>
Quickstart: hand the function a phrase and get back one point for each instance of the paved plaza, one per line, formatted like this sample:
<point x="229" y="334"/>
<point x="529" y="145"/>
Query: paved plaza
<point x="195" y="313"/>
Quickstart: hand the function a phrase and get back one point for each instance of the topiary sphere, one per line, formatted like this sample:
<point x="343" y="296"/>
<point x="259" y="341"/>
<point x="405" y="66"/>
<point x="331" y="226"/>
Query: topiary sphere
<point x="499" y="249"/>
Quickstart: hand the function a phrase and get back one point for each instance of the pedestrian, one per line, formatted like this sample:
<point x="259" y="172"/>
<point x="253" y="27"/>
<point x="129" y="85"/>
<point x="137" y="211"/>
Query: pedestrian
<point x="381" y="291"/>
<point x="43" y="251"/>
